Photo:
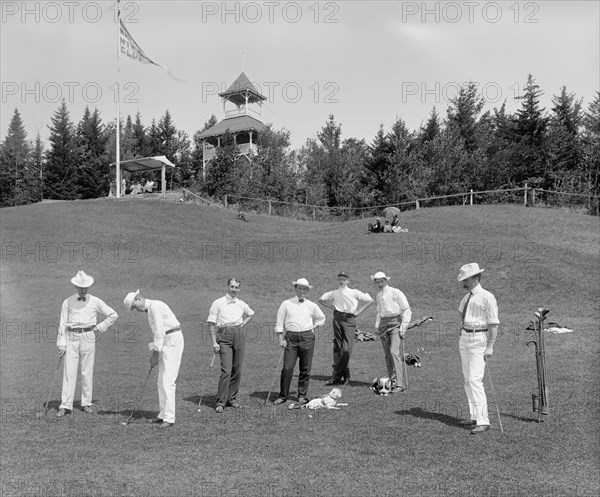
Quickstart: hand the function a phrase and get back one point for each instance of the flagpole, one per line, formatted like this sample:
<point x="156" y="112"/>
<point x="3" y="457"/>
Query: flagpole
<point x="118" y="140"/>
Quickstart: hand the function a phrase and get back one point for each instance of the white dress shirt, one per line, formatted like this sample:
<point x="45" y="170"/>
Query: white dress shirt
<point x="228" y="311"/>
<point x="76" y="313"/>
<point x="392" y="302"/>
<point x="161" y="320"/>
<point x="482" y="310"/>
<point x="346" y="299"/>
<point x="295" y="316"/>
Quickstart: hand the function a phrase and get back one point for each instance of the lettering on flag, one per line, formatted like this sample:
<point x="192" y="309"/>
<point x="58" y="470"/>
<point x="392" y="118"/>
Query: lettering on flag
<point x="130" y="49"/>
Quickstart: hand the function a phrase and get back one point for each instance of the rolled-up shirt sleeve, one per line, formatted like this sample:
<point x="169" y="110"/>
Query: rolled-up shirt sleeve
<point x="491" y="309"/>
<point x="318" y="316"/>
<point x="247" y="311"/>
<point x="213" y="313"/>
<point x="280" y="321"/>
<point x="61" y="339"/>
<point x="405" y="311"/>
<point x="111" y="316"/>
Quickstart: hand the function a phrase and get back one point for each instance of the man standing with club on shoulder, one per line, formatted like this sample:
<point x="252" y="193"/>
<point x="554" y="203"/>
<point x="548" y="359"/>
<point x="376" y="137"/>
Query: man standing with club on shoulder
<point x="345" y="305"/>
<point x="167" y="349"/>
<point x="479" y="321"/>
<point x="391" y="323"/>
<point x="298" y="317"/>
<point x="76" y="341"/>
<point x="226" y="320"/>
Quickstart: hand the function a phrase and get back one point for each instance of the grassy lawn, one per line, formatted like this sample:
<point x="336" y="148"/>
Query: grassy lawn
<point x="404" y="444"/>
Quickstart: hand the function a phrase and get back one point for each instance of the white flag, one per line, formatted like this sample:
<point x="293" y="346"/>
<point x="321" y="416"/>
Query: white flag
<point x="130" y="49"/>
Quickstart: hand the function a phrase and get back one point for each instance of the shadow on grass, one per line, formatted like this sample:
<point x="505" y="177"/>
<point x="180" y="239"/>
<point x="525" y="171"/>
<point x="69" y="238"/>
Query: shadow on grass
<point x="436" y="416"/>
<point x="125" y="413"/>
<point x="207" y="400"/>
<point x="519" y="418"/>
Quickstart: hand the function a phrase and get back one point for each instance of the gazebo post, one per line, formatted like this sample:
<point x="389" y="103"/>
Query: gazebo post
<point x="163" y="180"/>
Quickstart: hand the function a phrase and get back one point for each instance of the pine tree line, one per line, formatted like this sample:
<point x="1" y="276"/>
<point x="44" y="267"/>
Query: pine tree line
<point x="555" y="149"/>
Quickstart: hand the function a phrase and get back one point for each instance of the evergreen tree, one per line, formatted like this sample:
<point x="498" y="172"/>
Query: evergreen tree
<point x="15" y="167"/>
<point x="93" y="171"/>
<point x="564" y="145"/>
<point x="431" y="128"/>
<point x="463" y="115"/>
<point x="139" y="134"/>
<point x="529" y="131"/>
<point x="591" y="148"/>
<point x="60" y="172"/>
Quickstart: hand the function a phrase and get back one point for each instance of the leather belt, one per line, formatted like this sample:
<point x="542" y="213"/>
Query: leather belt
<point x="173" y="330"/>
<point x="346" y="314"/>
<point x="82" y="330"/>
<point x="474" y="331"/>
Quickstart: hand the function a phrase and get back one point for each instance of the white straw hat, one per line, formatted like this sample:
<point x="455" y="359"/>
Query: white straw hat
<point x="82" y="280"/>
<point x="469" y="270"/>
<point x="302" y="282"/>
<point x="128" y="302"/>
<point x="378" y="275"/>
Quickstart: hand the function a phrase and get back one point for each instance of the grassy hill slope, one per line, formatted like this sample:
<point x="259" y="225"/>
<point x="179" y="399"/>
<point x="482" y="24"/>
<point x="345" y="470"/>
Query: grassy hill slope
<point x="183" y="254"/>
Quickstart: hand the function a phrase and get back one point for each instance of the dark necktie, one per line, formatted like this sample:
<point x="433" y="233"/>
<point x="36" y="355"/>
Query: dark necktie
<point x="300" y="300"/>
<point x="81" y="298"/>
<point x="464" y="311"/>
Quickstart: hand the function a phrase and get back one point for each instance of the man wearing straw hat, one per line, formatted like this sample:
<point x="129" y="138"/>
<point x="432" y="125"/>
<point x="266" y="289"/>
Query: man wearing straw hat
<point x="167" y="349"/>
<point x="479" y="321"/>
<point x="393" y="318"/>
<point x="299" y="317"/>
<point x="76" y="341"/>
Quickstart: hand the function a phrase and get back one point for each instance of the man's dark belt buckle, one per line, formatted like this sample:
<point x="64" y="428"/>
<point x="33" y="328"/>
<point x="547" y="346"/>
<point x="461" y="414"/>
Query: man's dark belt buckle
<point x="345" y="314"/>
<point x="474" y="331"/>
<point x="172" y="330"/>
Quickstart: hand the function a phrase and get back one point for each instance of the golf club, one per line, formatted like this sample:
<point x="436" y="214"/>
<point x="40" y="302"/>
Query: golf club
<point x="135" y="407"/>
<point x="60" y="358"/>
<point x="494" y="395"/>
<point x="404" y="365"/>
<point x="275" y="377"/>
<point x="202" y="395"/>
<point x="419" y="323"/>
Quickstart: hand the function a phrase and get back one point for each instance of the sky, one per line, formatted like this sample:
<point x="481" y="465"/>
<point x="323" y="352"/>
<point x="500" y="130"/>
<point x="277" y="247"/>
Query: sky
<point x="366" y="62"/>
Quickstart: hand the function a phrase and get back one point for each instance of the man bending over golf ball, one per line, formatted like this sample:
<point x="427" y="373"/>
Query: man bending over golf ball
<point x="167" y="349"/>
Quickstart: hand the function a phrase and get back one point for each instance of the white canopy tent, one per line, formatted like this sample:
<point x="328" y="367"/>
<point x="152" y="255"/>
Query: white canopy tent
<point x="145" y="164"/>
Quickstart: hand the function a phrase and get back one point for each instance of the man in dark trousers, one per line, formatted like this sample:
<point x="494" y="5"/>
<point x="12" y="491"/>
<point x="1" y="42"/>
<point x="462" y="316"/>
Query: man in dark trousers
<point x="298" y="317"/>
<point x="226" y="319"/>
<point x="346" y="303"/>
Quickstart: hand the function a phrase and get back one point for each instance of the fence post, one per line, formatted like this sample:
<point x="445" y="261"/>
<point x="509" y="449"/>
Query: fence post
<point x="269" y="207"/>
<point x="532" y="197"/>
<point x="417" y="204"/>
<point x="525" y="201"/>
<point x="471" y="197"/>
<point x="225" y="200"/>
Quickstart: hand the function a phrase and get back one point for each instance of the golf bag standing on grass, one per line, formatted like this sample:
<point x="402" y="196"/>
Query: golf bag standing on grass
<point x="540" y="400"/>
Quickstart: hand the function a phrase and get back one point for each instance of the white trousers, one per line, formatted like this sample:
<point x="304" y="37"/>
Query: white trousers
<point x="81" y="348"/>
<point x="169" y="360"/>
<point x="472" y="346"/>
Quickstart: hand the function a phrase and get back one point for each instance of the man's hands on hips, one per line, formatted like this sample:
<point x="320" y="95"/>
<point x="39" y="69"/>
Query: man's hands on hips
<point x="154" y="358"/>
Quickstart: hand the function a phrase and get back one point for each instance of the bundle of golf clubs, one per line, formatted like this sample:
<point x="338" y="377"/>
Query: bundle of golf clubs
<point x="540" y="399"/>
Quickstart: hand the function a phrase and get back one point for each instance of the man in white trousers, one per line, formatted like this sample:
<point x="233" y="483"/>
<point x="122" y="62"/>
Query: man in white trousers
<point x="167" y="349"/>
<point x="76" y="341"/>
<point x="479" y="322"/>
